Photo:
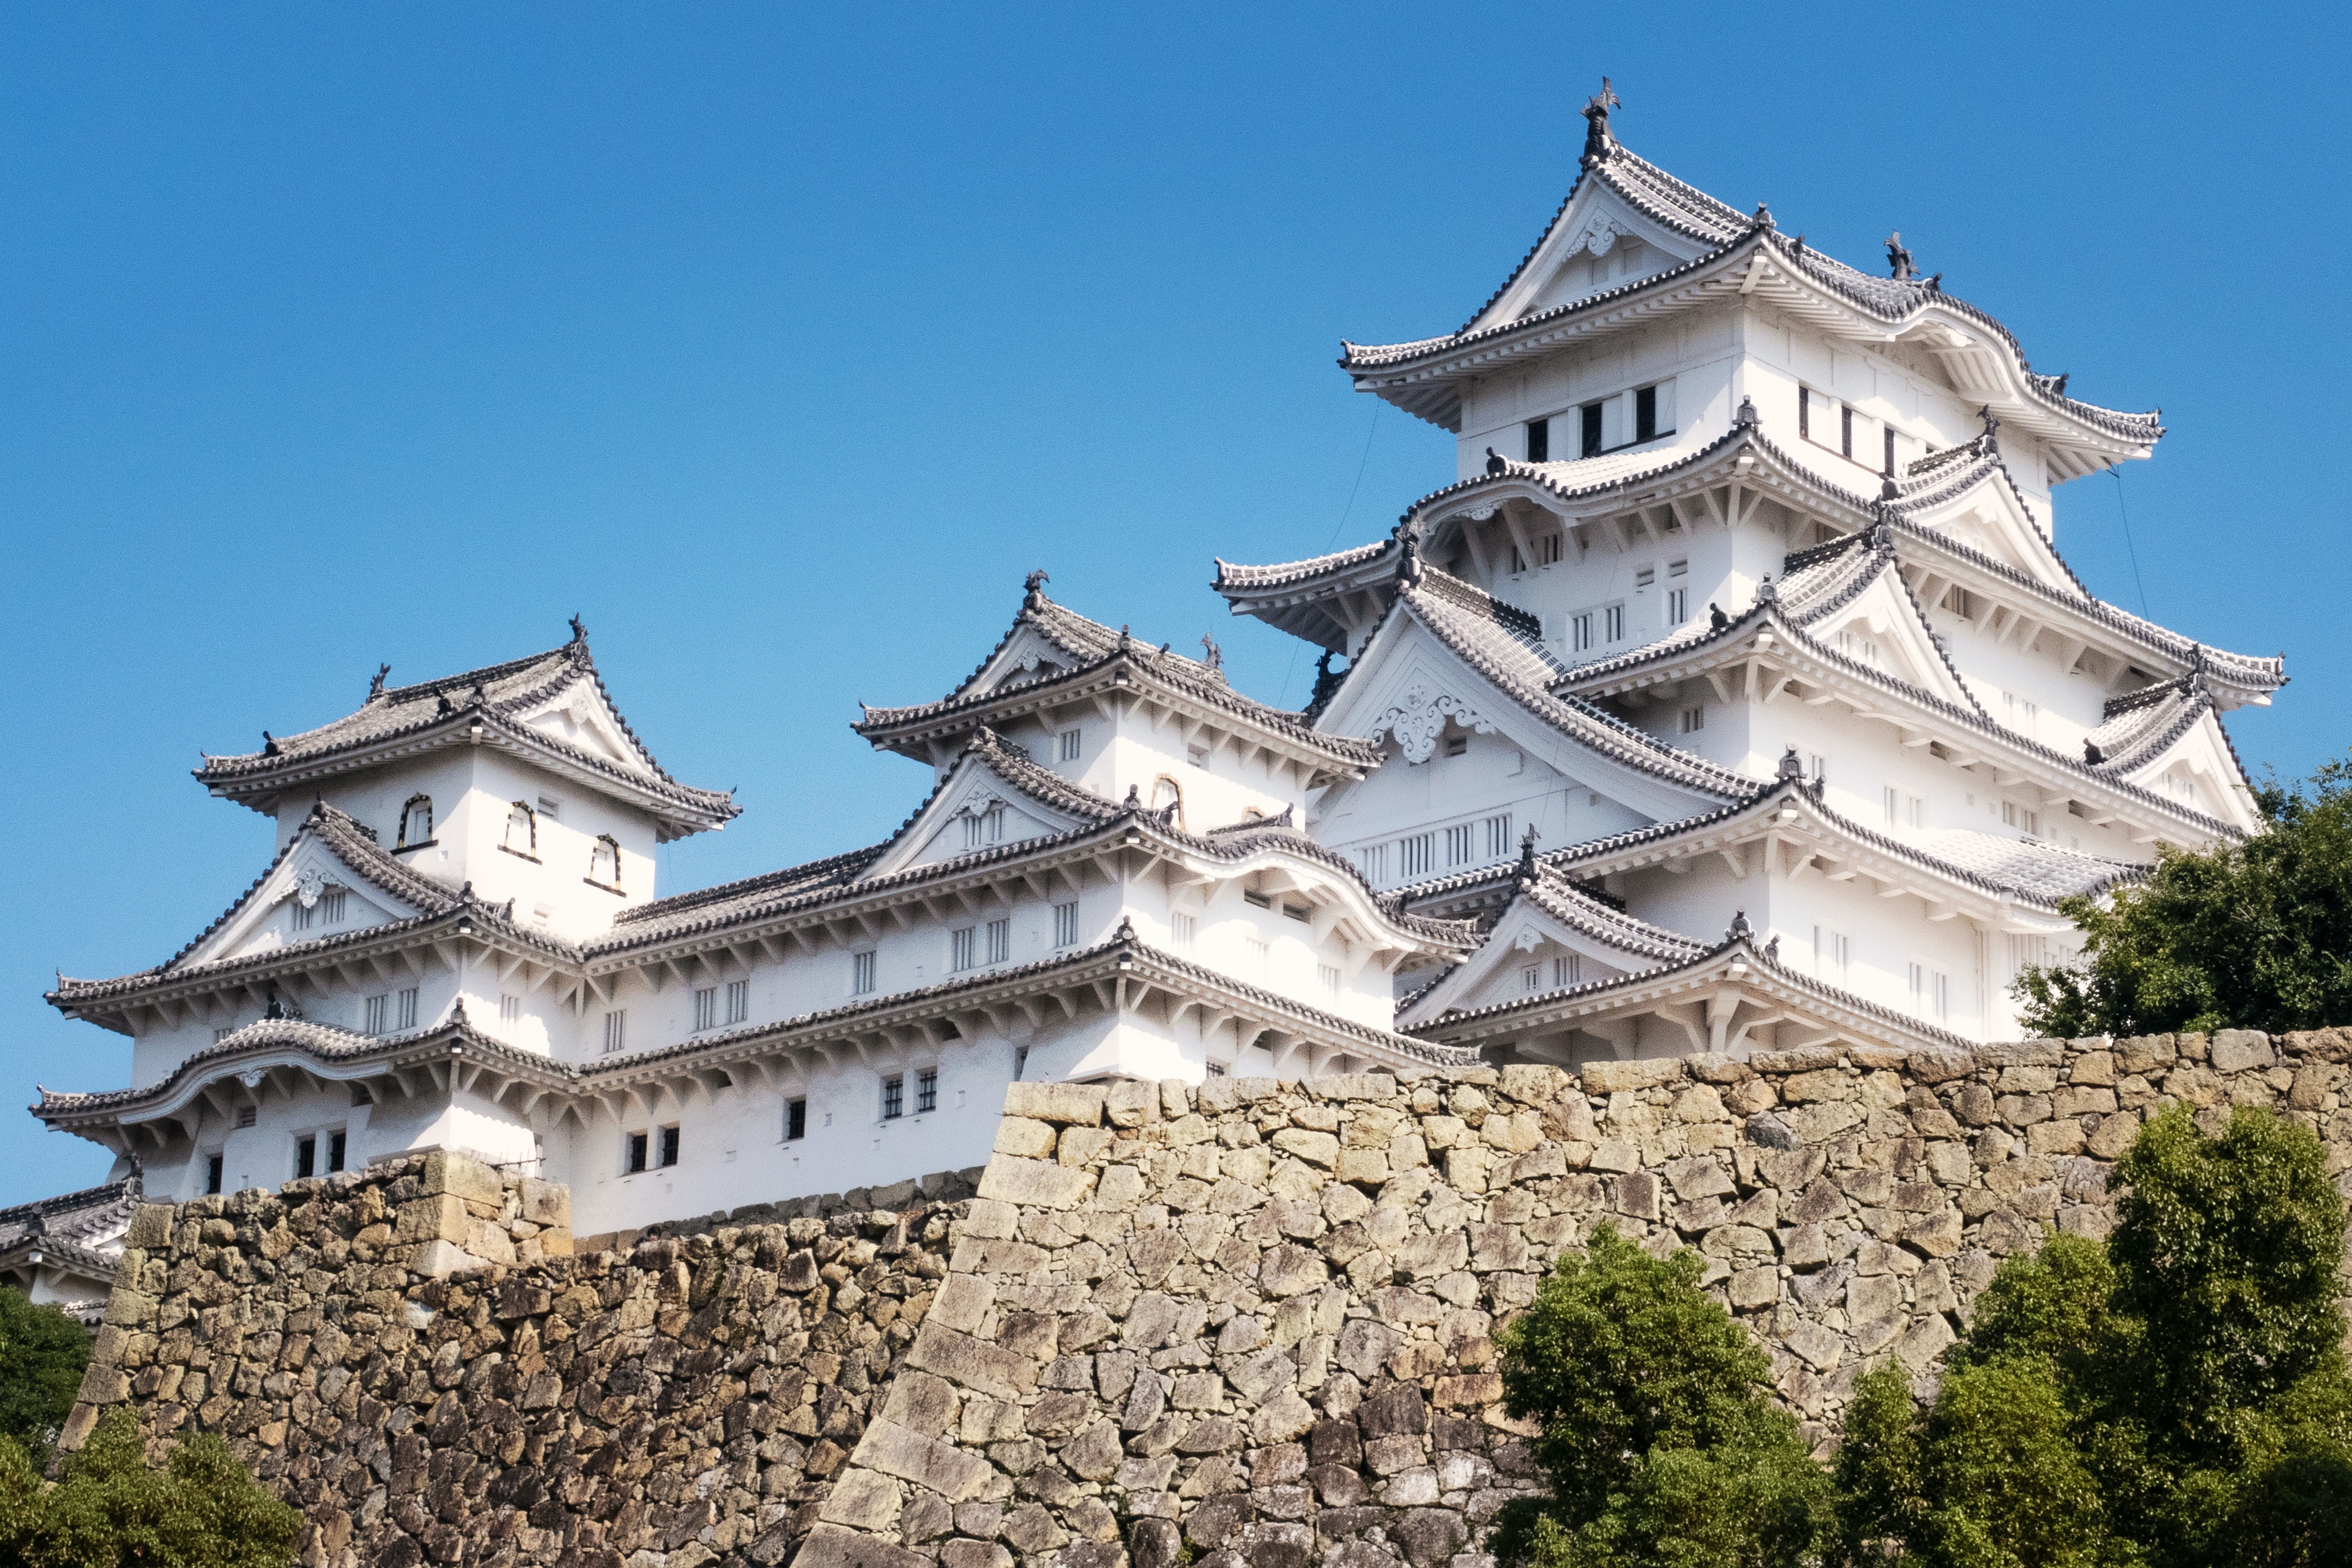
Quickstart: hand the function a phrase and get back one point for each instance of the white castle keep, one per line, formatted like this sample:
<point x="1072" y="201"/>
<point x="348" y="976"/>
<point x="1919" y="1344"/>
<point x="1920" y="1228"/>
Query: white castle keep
<point x="1734" y="698"/>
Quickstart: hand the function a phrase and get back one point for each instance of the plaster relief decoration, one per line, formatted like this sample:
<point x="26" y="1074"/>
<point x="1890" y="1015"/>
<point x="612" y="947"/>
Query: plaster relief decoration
<point x="1529" y="939"/>
<point x="1599" y="234"/>
<point x="1420" y="718"/>
<point x="308" y="883"/>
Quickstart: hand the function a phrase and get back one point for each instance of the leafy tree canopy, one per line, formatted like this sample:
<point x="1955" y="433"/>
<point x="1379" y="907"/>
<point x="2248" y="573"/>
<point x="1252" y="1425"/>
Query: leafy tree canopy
<point x="1659" y="1436"/>
<point x="2255" y="934"/>
<point x="110" y="1510"/>
<point x="43" y="1354"/>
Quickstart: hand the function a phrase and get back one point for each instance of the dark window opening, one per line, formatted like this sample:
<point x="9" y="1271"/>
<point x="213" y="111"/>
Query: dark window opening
<point x="1845" y="432"/>
<point x="306" y="1156"/>
<point x="334" y="1152"/>
<point x="894" y="1098"/>
<point x="1645" y="414"/>
<point x="795" y="1119"/>
<point x="1590" y="415"/>
<point x="1538" y="441"/>
<point x="213" y="1175"/>
<point x="669" y="1146"/>
<point x="1890" y="454"/>
<point x="636" y="1153"/>
<point x="927" y="1090"/>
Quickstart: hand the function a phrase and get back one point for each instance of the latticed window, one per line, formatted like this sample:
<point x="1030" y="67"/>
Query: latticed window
<point x="963" y="947"/>
<point x="894" y="1097"/>
<point x="706" y="1007"/>
<point x="522" y="830"/>
<point x="1000" y="940"/>
<point x="739" y="1000"/>
<point x="604" y="862"/>
<point x="1065" y="924"/>
<point x="861" y="973"/>
<point x="416" y="823"/>
<point x="927" y="1090"/>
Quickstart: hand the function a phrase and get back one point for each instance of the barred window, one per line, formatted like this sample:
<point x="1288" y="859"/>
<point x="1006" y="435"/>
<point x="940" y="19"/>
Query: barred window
<point x="616" y="1030"/>
<point x="1065" y="924"/>
<point x="522" y="830"/>
<point x="1498" y="836"/>
<point x="604" y="862"/>
<point x="894" y="1097"/>
<point x="963" y="947"/>
<point x="927" y="1090"/>
<point x="1000" y="940"/>
<point x="407" y="1009"/>
<point x="861" y="973"/>
<point x="705" y="1009"/>
<point x="739" y="1000"/>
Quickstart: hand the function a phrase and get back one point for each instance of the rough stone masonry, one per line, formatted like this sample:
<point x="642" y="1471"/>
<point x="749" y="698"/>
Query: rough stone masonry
<point x="1250" y="1319"/>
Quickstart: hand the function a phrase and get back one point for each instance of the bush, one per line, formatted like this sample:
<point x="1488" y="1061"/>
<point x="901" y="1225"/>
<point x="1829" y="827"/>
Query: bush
<point x="2176" y="1396"/>
<point x="1658" y="1433"/>
<point x="110" y="1510"/>
<point x="43" y="1354"/>
<point x="2255" y="934"/>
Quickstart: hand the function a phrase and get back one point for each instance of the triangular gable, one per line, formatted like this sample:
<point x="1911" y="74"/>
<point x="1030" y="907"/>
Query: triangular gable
<point x="1981" y="509"/>
<point x="2200" y="771"/>
<point x="1409" y="683"/>
<point x="1028" y="654"/>
<point x="1533" y="950"/>
<point x="581" y="715"/>
<point x="987" y="800"/>
<point x="1599" y="241"/>
<point x="312" y="867"/>
<point x="1879" y="625"/>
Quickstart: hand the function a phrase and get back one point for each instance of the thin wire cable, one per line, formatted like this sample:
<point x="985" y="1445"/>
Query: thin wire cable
<point x="1292" y="668"/>
<point x="2116" y="474"/>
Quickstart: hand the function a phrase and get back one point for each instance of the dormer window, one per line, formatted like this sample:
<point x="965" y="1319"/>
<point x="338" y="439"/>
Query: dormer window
<point x="522" y="831"/>
<point x="416" y="823"/>
<point x="604" y="862"/>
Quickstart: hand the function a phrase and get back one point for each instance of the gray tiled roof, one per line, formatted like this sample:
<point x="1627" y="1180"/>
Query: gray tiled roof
<point x="90" y="1219"/>
<point x="497" y="693"/>
<point x="1093" y="645"/>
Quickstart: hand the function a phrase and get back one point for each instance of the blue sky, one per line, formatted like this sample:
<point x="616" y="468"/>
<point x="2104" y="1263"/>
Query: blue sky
<point x="780" y="342"/>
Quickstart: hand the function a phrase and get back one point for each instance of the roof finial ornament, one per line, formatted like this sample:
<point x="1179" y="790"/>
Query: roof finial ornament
<point x="1739" y="930"/>
<point x="1596" y="120"/>
<point x="2092" y="755"/>
<point x="1888" y="490"/>
<point x="1763" y="218"/>
<point x="1035" y="586"/>
<point x="2058" y="383"/>
<point x="1408" y="563"/>
<point x="1528" y="855"/>
<point x="1746" y="417"/>
<point x="375" y="686"/>
<point x="1991" y="428"/>
<point x="1791" y="766"/>
<point x="1126" y="638"/>
<point x="1495" y="462"/>
<point x="1898" y="260"/>
<point x="1766" y="593"/>
<point x="1210" y="654"/>
<point x="269" y="745"/>
<point x="1772" y="949"/>
<point x="1716" y="618"/>
<point x="578" y="630"/>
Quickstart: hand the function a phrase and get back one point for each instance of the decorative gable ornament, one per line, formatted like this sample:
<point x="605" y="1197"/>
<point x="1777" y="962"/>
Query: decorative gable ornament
<point x="308" y="883"/>
<point x="1599" y="234"/>
<point x="1420" y="718"/>
<point x="1529" y="939"/>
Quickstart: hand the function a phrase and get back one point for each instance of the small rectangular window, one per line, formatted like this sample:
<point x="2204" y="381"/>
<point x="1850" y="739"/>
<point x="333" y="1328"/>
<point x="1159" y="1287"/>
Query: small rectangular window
<point x="1216" y="1069"/>
<point x="927" y="1091"/>
<point x="213" y="1174"/>
<point x="1914" y="811"/>
<point x="1417" y="855"/>
<point x="963" y="948"/>
<point x="1645" y="578"/>
<point x="1498" y="836"/>
<point x="1329" y="975"/>
<point x="669" y="1145"/>
<point x="1580" y="631"/>
<point x="407" y="1009"/>
<point x="1374" y="859"/>
<point x="1677" y="606"/>
<point x="1831" y="952"/>
<point x="304" y="913"/>
<point x="1065" y="924"/>
<point x="1694" y="719"/>
<point x="1457" y="845"/>
<point x="861" y="973"/>
<point x="1889" y="469"/>
<point x="1645" y="414"/>
<point x="616" y="1030"/>
<point x="1457" y="745"/>
<point x="1805" y="413"/>
<point x="1614" y="622"/>
<point x="1000" y="940"/>
<point x="336" y="1144"/>
<point x="795" y="1120"/>
<point x="1257" y="899"/>
<point x="1298" y="912"/>
<point x="510" y="1008"/>
<point x="1069" y="746"/>
<point x="1547" y="546"/>
<point x="705" y="1009"/>
<point x="373" y="1012"/>
<point x="1590" y="431"/>
<point x="332" y="906"/>
<point x="1845" y="433"/>
<point x="1180" y="930"/>
<point x="633" y="1153"/>
<point x="894" y="1097"/>
<point x="1892" y="819"/>
<point x="305" y="1157"/>
<point x="739" y="1000"/>
<point x="248" y="1114"/>
<point x="1567" y="969"/>
<point x="549" y="808"/>
<point x="222" y="1031"/>
<point x="1538" y="441"/>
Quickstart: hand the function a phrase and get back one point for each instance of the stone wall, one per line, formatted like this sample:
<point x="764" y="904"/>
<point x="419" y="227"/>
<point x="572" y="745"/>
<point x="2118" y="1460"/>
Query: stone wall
<point x="1248" y="1320"/>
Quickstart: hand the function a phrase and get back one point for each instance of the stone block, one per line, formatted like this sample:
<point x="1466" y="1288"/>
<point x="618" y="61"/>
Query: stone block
<point x="461" y="1177"/>
<point x="1315" y="1148"/>
<point x="151" y="1226"/>
<point x="831" y="1546"/>
<point x="2239" y="1049"/>
<point x="895" y="1450"/>
<point x="1035" y="1183"/>
<point x="1923" y="1342"/>
<point x="864" y="1500"/>
<point x="1619" y="1077"/>
<point x="128" y="1309"/>
<point x="1025" y="1138"/>
<point x="1070" y="1104"/>
<point x="974" y="1364"/>
<point x="1752" y="1288"/>
<point x="545" y="1203"/>
<point x="439" y="1218"/>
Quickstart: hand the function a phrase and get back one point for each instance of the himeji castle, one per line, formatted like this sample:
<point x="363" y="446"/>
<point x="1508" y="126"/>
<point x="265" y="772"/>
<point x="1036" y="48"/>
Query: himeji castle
<point x="1734" y="698"/>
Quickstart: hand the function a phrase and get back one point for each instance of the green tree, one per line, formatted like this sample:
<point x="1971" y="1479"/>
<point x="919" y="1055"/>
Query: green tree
<point x="2251" y="934"/>
<point x="43" y="1353"/>
<point x="2174" y="1396"/>
<point x="1658" y="1432"/>
<point x="110" y="1510"/>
